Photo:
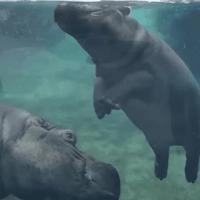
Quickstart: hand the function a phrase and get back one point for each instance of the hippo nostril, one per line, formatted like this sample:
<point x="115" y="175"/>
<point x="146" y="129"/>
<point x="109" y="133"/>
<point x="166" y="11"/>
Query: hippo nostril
<point x="88" y="176"/>
<point x="71" y="137"/>
<point x="70" y="134"/>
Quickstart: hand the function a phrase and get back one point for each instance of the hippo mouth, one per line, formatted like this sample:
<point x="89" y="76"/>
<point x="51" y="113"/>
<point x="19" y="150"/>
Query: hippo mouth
<point x="103" y="190"/>
<point x="101" y="180"/>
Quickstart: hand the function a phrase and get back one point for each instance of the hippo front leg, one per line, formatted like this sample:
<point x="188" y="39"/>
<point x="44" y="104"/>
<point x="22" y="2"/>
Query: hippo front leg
<point x="108" y="98"/>
<point x="192" y="165"/>
<point x="131" y="84"/>
<point x="102" y="106"/>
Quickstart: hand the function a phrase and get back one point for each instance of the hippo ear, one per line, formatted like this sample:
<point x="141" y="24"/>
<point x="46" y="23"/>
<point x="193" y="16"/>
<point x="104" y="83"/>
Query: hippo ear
<point x="125" y="10"/>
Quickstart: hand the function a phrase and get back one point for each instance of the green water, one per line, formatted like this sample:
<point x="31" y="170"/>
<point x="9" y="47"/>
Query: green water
<point x="47" y="73"/>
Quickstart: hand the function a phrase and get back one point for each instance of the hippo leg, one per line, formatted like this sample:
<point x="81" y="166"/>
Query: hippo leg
<point x="3" y="194"/>
<point x="107" y="98"/>
<point x="102" y="106"/>
<point x="161" y="162"/>
<point x="192" y="140"/>
<point x="156" y="128"/>
<point x="139" y="81"/>
<point x="192" y="164"/>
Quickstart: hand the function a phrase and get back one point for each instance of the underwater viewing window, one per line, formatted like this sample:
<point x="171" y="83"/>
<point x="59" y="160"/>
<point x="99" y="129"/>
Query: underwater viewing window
<point x="100" y="100"/>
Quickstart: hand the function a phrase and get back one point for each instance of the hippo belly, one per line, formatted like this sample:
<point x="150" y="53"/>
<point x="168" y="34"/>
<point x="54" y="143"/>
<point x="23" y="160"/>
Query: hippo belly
<point x="152" y="119"/>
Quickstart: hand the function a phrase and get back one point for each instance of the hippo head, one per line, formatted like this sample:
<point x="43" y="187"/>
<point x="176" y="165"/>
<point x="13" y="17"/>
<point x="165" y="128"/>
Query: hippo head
<point x="100" y="29"/>
<point x="44" y="163"/>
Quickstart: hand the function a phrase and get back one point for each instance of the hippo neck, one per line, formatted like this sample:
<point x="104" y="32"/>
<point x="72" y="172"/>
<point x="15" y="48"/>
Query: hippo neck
<point x="101" y="50"/>
<point x="113" y="59"/>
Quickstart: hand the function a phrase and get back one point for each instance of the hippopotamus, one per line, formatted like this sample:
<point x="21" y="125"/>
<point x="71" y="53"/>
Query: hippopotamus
<point x="141" y="75"/>
<point x="41" y="161"/>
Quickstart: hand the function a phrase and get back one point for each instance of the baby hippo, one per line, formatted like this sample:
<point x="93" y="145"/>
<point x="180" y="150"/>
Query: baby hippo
<point x="140" y="74"/>
<point x="40" y="161"/>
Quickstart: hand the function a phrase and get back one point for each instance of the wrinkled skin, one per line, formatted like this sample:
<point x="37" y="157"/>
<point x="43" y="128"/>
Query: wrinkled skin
<point x="141" y="75"/>
<point x="40" y="161"/>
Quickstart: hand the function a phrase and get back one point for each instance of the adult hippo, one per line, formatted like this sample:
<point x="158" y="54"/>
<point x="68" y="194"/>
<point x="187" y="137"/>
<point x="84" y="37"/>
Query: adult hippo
<point x="40" y="161"/>
<point x="141" y="75"/>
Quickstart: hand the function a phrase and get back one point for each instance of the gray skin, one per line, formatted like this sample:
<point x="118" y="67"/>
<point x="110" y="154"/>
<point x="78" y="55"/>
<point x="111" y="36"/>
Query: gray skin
<point x="40" y="161"/>
<point x="140" y="74"/>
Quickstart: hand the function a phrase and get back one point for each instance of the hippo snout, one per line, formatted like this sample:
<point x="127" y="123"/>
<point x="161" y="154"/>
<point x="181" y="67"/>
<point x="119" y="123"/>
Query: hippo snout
<point x="74" y="8"/>
<point x="104" y="181"/>
<point x="71" y="11"/>
<point x="66" y="11"/>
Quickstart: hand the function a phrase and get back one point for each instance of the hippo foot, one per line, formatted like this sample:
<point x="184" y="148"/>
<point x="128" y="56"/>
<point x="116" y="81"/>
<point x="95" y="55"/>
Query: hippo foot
<point x="190" y="176"/>
<point x="104" y="106"/>
<point x="160" y="171"/>
<point x="191" y="167"/>
<point x="161" y="163"/>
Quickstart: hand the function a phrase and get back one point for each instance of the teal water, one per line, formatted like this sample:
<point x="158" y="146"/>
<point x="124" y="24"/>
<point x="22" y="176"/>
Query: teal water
<point x="47" y="73"/>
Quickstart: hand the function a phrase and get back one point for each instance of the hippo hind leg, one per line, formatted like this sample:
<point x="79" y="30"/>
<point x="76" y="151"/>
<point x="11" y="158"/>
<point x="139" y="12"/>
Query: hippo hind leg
<point x="192" y="164"/>
<point x="192" y="140"/>
<point x="161" y="162"/>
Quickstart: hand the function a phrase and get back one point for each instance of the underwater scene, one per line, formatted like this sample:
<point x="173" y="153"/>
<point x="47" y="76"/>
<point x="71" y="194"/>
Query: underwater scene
<point x="58" y="61"/>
